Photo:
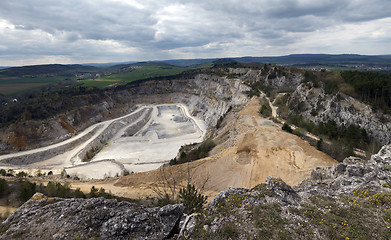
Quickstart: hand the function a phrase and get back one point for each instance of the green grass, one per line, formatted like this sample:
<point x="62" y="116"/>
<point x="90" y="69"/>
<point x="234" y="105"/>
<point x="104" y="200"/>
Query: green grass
<point x="142" y="72"/>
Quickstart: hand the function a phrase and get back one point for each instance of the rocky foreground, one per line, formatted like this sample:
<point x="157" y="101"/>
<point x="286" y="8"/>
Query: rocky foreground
<point x="350" y="200"/>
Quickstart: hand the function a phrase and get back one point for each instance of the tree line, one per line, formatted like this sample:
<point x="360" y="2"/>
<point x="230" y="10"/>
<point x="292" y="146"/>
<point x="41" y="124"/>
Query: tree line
<point x="371" y="87"/>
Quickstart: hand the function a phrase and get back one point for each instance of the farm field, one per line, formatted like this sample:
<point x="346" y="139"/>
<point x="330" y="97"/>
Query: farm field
<point x="138" y="73"/>
<point x="13" y="86"/>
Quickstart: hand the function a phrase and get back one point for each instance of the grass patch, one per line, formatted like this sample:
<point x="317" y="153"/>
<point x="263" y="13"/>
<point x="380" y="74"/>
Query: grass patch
<point x="269" y="222"/>
<point x="343" y="218"/>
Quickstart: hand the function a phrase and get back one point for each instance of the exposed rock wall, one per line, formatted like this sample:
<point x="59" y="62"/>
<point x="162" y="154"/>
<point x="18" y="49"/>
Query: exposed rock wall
<point x="353" y="173"/>
<point x="271" y="77"/>
<point x="34" y="134"/>
<point x="40" y="156"/>
<point x="342" y="109"/>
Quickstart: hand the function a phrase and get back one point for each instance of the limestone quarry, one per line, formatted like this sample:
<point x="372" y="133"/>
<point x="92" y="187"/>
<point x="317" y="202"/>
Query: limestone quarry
<point x="139" y="129"/>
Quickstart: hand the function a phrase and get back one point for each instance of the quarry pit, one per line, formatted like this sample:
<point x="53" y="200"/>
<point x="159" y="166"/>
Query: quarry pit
<point x="140" y="141"/>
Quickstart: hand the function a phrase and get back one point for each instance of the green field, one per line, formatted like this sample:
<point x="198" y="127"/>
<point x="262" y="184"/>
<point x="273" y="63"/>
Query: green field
<point x="12" y="86"/>
<point x="139" y="73"/>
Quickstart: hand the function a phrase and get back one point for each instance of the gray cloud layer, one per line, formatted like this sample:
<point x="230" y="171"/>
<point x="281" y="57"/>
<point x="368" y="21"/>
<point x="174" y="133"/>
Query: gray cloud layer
<point x="45" y="31"/>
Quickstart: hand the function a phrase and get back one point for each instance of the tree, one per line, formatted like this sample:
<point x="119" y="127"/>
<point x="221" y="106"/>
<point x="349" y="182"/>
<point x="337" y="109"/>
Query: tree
<point x="319" y="144"/>
<point x="21" y="174"/>
<point x="27" y="190"/>
<point x="190" y="196"/>
<point x="4" y="187"/>
<point x="165" y="188"/>
<point x="192" y="199"/>
<point x="266" y="110"/>
<point x="93" y="191"/>
<point x="51" y="189"/>
<point x="287" y="128"/>
<point x="79" y="194"/>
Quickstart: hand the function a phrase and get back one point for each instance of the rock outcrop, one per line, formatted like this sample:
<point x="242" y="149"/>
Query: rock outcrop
<point x="344" y="110"/>
<point x="95" y="218"/>
<point x="352" y="174"/>
<point x="272" y="76"/>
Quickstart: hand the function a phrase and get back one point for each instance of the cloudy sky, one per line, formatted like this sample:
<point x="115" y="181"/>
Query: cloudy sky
<point x="80" y="31"/>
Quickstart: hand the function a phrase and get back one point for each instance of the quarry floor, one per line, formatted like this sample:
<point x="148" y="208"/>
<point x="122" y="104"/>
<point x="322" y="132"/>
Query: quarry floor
<point x="169" y="127"/>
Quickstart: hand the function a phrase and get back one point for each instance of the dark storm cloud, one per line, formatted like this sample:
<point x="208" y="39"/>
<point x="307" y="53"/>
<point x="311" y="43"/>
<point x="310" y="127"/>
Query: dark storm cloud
<point x="111" y="30"/>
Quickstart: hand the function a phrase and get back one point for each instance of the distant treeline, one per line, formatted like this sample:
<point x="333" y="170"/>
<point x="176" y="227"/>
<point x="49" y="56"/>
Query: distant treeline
<point x="371" y="87"/>
<point x="55" y="69"/>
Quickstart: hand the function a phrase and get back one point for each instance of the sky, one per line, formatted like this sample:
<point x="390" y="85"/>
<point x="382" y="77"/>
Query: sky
<point x="100" y="31"/>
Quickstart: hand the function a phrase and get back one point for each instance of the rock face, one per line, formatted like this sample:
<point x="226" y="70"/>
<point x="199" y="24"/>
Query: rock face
<point x="271" y="76"/>
<point x="342" y="109"/>
<point x="96" y="218"/>
<point x="207" y="95"/>
<point x="352" y="174"/>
